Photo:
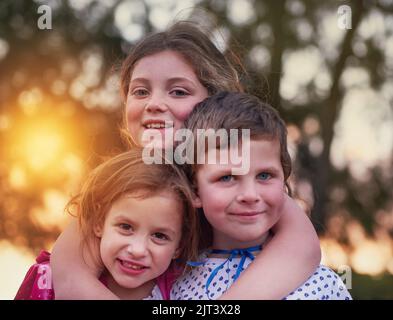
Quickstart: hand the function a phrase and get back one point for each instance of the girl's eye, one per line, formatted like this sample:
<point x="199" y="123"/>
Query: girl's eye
<point x="125" y="227"/>
<point x="140" y="92"/>
<point x="160" y="236"/>
<point x="179" y="93"/>
<point x="226" y="178"/>
<point x="264" y="176"/>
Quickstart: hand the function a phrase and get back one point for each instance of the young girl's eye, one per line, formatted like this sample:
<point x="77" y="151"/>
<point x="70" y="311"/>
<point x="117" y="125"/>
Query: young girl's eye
<point x="179" y="93"/>
<point x="264" y="176"/>
<point x="125" y="227"/>
<point x="160" y="236"/>
<point x="226" y="178"/>
<point x="140" y="92"/>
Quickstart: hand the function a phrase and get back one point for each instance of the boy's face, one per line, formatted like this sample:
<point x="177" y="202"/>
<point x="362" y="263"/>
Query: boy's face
<point x="242" y="208"/>
<point x="140" y="238"/>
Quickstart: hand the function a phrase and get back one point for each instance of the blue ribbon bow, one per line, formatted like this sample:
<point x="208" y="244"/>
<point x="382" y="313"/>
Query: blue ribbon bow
<point x="244" y="253"/>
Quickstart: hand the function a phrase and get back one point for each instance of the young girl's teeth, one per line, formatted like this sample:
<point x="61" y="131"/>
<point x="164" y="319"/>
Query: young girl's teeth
<point x="131" y="266"/>
<point x="157" y="126"/>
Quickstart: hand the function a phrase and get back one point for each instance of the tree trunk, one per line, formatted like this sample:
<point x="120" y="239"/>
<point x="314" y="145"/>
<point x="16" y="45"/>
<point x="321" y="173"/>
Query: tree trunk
<point x="277" y="8"/>
<point x="328" y="115"/>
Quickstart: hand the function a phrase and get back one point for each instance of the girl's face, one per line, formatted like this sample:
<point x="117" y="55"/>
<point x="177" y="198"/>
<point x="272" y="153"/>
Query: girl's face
<point x="140" y="238"/>
<point x="163" y="91"/>
<point x="242" y="208"/>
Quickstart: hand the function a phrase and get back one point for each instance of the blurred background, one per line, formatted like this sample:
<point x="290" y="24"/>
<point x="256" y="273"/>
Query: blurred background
<point x="328" y="69"/>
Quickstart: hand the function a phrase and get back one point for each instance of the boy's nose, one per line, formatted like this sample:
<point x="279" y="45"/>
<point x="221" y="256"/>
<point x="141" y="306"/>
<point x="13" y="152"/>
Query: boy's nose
<point x="248" y="193"/>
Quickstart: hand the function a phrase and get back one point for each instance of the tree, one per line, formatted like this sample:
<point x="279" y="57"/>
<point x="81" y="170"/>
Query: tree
<point x="65" y="72"/>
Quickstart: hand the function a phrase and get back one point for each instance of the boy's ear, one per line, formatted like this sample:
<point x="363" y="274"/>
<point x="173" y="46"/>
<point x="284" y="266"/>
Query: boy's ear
<point x="196" y="201"/>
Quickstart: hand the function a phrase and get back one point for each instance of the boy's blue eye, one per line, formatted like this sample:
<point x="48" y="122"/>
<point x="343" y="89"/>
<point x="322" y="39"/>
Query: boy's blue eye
<point x="226" y="178"/>
<point x="264" y="176"/>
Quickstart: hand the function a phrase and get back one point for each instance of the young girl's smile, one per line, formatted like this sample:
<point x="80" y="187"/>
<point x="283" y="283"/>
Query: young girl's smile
<point x="139" y="239"/>
<point x="242" y="208"/>
<point x="163" y="91"/>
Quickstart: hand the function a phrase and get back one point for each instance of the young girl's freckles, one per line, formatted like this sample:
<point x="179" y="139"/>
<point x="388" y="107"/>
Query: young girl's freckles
<point x="163" y="91"/>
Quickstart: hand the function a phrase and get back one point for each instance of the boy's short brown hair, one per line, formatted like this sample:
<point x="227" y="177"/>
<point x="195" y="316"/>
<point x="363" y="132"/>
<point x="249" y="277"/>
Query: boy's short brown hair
<point x="235" y="110"/>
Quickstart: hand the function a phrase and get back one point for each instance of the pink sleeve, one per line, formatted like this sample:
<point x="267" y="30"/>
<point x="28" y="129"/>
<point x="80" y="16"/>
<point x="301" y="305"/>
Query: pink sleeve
<point x="166" y="280"/>
<point x="37" y="284"/>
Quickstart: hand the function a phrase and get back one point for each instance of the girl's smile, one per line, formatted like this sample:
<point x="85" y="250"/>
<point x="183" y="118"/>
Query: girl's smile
<point x="138" y="242"/>
<point x="163" y="91"/>
<point x="131" y="268"/>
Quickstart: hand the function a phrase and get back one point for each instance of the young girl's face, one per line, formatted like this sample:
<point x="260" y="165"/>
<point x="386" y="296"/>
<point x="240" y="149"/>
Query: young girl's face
<point x="140" y="238"/>
<point x="163" y="91"/>
<point x="242" y="208"/>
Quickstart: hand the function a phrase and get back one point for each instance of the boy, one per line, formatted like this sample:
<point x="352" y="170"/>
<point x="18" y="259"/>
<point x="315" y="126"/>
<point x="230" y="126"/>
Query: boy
<point x="239" y="211"/>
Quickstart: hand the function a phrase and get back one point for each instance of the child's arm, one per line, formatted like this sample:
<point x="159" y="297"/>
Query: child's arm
<point x="73" y="279"/>
<point x="286" y="262"/>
